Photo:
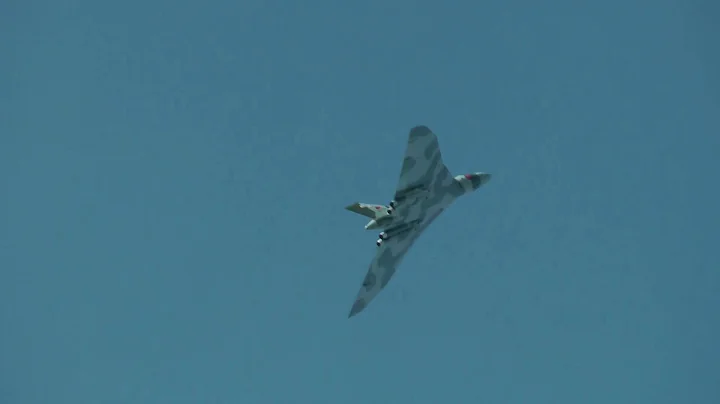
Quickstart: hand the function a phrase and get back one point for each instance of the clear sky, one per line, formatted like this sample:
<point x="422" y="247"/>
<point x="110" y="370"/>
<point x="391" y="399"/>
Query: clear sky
<point x="173" y="176"/>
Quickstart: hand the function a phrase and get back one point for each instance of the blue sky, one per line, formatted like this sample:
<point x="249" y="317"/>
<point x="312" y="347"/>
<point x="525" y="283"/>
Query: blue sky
<point x="173" y="177"/>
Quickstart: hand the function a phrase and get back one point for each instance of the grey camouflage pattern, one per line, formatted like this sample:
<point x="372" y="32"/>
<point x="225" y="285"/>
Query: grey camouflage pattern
<point x="425" y="189"/>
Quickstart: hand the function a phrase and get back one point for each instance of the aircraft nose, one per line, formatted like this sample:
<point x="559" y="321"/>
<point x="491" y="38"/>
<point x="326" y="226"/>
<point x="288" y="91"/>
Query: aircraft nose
<point x="486" y="177"/>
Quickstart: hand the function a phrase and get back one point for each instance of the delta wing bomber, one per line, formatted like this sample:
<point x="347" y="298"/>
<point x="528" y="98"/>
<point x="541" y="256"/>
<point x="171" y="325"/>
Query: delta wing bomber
<point x="425" y="189"/>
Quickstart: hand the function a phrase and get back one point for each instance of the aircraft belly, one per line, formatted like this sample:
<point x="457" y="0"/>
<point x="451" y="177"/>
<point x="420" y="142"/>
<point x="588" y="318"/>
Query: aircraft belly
<point x="427" y="207"/>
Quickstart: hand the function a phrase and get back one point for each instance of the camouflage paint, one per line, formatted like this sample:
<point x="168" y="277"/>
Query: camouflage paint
<point x="425" y="189"/>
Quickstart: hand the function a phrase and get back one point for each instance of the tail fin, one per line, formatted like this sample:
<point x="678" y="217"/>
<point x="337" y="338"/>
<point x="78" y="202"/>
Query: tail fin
<point x="371" y="211"/>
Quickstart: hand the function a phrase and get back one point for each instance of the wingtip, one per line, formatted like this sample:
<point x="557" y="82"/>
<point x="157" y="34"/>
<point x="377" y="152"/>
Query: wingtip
<point x="420" y="131"/>
<point x="357" y="307"/>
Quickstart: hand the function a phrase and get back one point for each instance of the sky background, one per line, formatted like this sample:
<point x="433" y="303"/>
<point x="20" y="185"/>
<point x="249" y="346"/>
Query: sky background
<point x="173" y="176"/>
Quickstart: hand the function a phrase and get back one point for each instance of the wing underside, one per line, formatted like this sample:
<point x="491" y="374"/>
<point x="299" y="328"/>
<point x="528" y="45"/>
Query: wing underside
<point x="383" y="266"/>
<point x="422" y="165"/>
